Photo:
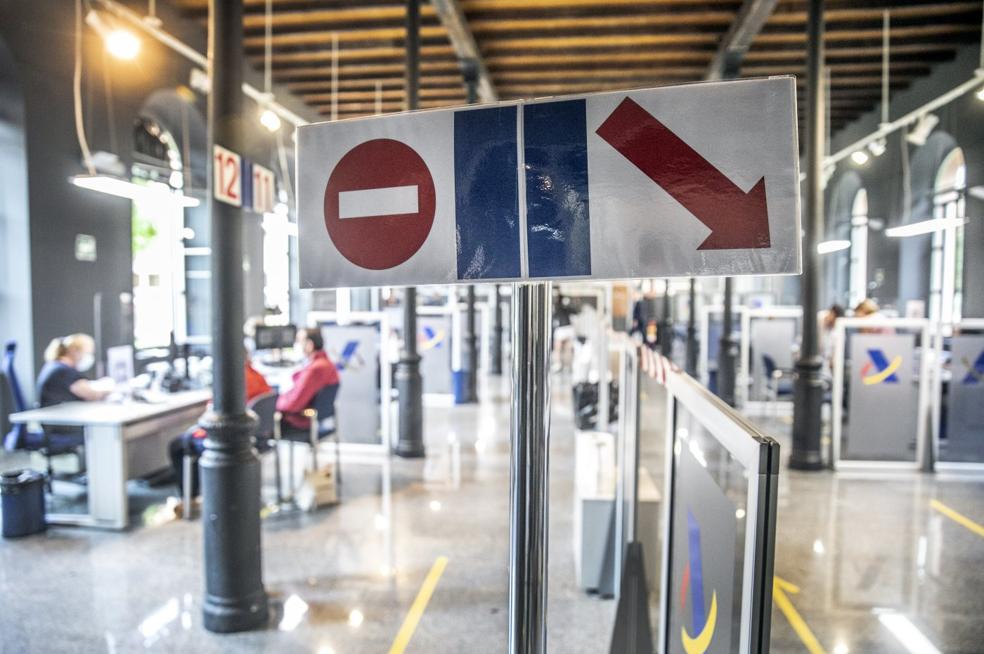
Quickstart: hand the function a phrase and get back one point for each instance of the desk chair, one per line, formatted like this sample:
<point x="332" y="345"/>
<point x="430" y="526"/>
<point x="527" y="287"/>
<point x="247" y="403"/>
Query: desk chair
<point x="776" y="384"/>
<point x="264" y="406"/>
<point x="21" y="438"/>
<point x="321" y="415"/>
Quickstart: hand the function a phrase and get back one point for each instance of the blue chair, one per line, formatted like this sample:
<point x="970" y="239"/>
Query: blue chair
<point x="776" y="384"/>
<point x="21" y="438"/>
<point x="321" y="415"/>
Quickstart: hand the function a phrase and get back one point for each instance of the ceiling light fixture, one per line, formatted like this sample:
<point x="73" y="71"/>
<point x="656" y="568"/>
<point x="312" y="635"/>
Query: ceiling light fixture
<point x="925" y="227"/>
<point x="860" y="157"/>
<point x="834" y="245"/>
<point x="877" y="147"/>
<point x="923" y="127"/>
<point x="122" y="188"/>
<point x="270" y="119"/>
<point x="120" y="42"/>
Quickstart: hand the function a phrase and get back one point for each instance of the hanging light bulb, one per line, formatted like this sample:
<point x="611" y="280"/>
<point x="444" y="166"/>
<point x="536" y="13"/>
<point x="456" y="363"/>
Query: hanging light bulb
<point x="980" y="94"/>
<point x="121" y="43"/>
<point x="859" y="157"/>
<point x="270" y="120"/>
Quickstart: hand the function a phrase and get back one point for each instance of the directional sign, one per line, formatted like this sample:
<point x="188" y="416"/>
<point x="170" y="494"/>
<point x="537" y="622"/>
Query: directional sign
<point x="700" y="179"/>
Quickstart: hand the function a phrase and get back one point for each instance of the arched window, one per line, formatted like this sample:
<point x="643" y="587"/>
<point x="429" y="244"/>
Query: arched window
<point x="946" y="261"/>
<point x="858" y="276"/>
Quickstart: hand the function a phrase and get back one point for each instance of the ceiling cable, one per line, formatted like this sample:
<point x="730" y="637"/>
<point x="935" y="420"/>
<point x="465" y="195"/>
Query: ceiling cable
<point x="885" y="69"/>
<point x="268" y="48"/>
<point x="334" y="75"/>
<point x="77" y="92"/>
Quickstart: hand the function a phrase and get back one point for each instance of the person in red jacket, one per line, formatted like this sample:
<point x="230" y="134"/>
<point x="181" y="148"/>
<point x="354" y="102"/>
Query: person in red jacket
<point x="192" y="442"/>
<point x="317" y="373"/>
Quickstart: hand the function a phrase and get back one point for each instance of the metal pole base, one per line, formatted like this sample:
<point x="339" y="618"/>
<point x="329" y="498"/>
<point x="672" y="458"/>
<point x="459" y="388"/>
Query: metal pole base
<point x="807" y="405"/>
<point x="409" y="385"/>
<point x="235" y="599"/>
<point x="529" y="469"/>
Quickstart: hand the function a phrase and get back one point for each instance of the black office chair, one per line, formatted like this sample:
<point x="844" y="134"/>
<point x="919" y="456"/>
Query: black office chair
<point x="46" y="443"/>
<point x="321" y="415"/>
<point x="265" y="407"/>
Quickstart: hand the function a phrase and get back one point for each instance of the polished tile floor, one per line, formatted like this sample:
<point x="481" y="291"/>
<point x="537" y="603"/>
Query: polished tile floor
<point x="876" y="563"/>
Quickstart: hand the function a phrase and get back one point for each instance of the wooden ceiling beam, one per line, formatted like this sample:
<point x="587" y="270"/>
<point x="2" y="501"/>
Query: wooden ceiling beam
<point x="492" y="26"/>
<point x="358" y="72"/>
<point x="602" y="43"/>
<point x="369" y="108"/>
<point x="361" y="96"/>
<point x="341" y="17"/>
<point x="945" y="30"/>
<point x="860" y="14"/>
<point x="476" y="6"/>
<point x="377" y="35"/>
<point x="394" y="54"/>
<point x="369" y="84"/>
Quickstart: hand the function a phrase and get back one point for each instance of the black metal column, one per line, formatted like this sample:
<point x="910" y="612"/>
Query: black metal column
<point x="496" y="332"/>
<point x="230" y="471"/>
<point x="692" y="345"/>
<point x="409" y="383"/>
<point x="470" y="73"/>
<point x="666" y="324"/>
<point x="728" y="350"/>
<point x="807" y="382"/>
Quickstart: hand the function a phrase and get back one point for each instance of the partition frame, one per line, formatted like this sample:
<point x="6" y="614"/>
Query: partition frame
<point x="387" y="434"/>
<point x="744" y="380"/>
<point x="602" y="292"/>
<point x="922" y="328"/>
<point x="759" y="454"/>
<point x="976" y="324"/>
<point x="703" y="362"/>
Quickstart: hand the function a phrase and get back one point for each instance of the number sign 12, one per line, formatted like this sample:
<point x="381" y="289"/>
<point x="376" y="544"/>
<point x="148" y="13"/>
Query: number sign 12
<point x="226" y="179"/>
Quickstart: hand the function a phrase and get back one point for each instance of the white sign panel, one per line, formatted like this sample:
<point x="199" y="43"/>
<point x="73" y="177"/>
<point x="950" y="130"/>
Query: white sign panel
<point x="701" y="179"/>
<point x="227" y="181"/>
<point x="264" y="189"/>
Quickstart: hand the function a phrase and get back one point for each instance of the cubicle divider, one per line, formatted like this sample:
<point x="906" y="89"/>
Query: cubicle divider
<point x="599" y="297"/>
<point x="710" y="342"/>
<point x="881" y="391"/>
<point x="770" y="339"/>
<point x="719" y="515"/>
<point x="958" y="397"/>
<point x="356" y="341"/>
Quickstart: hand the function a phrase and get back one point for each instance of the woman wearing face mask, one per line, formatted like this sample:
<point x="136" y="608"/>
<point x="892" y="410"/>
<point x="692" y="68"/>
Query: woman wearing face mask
<point x="61" y="378"/>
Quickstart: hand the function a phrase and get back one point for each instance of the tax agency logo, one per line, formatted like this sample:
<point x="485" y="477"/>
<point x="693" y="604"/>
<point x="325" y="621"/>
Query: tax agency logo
<point x="350" y="359"/>
<point x="692" y="585"/>
<point x="430" y="338"/>
<point x="879" y="370"/>
<point x="975" y="371"/>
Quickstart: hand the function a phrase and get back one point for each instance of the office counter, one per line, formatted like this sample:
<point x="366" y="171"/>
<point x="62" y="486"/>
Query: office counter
<point x="122" y="441"/>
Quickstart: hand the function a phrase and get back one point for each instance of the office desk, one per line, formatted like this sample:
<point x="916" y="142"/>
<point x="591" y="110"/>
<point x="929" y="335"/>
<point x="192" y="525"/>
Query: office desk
<point x="122" y="441"/>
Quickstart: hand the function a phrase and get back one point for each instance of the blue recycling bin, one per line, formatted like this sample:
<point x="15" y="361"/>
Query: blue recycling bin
<point x="459" y="379"/>
<point x="22" y="503"/>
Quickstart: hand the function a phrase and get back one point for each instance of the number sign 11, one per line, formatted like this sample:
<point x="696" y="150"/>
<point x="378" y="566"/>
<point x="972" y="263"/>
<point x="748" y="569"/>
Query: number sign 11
<point x="263" y="189"/>
<point x="226" y="179"/>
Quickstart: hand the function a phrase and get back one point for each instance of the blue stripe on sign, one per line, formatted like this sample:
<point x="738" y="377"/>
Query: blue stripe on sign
<point x="486" y="193"/>
<point x="557" y="220"/>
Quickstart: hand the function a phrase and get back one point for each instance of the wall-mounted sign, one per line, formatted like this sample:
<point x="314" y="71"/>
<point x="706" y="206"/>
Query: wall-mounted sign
<point x="264" y="189"/>
<point x="699" y="179"/>
<point x="85" y="247"/>
<point x="227" y="178"/>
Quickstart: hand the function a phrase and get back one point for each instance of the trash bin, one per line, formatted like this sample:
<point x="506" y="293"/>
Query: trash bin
<point x="22" y="501"/>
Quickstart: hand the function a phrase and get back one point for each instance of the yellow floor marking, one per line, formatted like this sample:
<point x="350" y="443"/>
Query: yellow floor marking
<point x="779" y="589"/>
<point x="419" y="605"/>
<point x="959" y="518"/>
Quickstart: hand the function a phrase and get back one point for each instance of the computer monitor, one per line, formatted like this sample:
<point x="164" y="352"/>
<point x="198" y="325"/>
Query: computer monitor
<point x="119" y="363"/>
<point x="274" y="337"/>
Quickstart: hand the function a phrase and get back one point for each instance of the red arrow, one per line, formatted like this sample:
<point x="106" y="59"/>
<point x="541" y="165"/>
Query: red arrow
<point x="736" y="219"/>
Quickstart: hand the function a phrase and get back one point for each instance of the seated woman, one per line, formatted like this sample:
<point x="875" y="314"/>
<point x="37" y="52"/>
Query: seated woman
<point x="61" y="380"/>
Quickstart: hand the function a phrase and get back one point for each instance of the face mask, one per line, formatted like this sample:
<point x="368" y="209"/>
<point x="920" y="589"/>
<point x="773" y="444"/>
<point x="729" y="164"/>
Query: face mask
<point x="85" y="363"/>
